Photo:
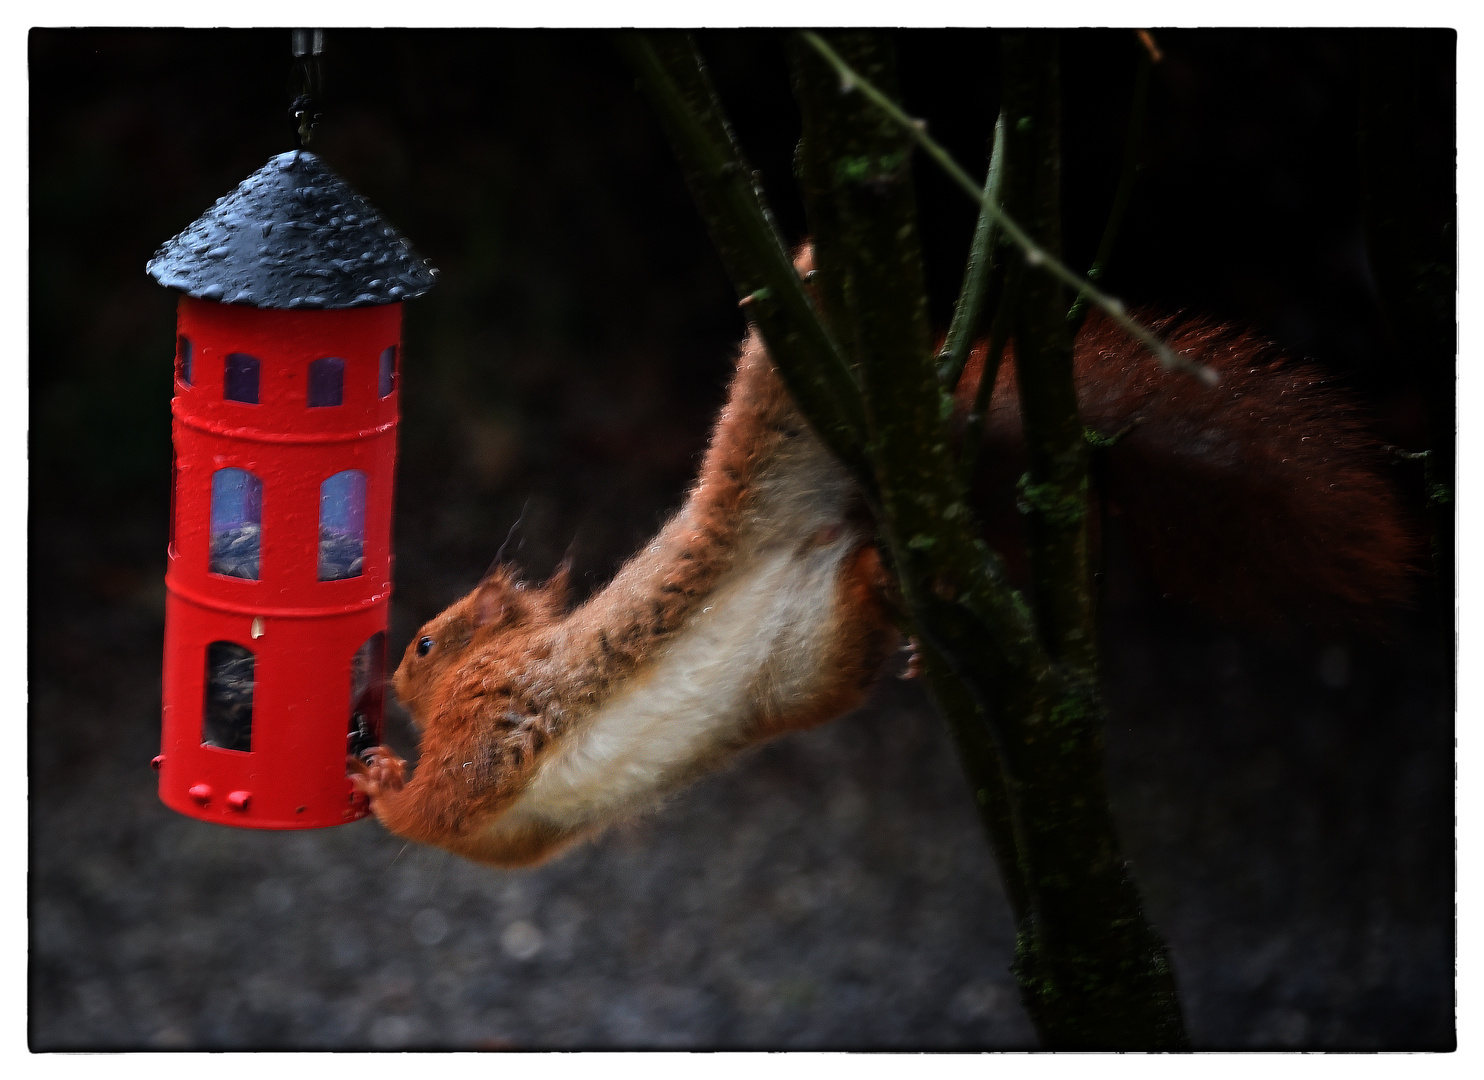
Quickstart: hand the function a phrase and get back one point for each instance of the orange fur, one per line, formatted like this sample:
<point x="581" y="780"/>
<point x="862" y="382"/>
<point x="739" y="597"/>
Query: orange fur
<point x="507" y="671"/>
<point x="1259" y="499"/>
<point x="1260" y="496"/>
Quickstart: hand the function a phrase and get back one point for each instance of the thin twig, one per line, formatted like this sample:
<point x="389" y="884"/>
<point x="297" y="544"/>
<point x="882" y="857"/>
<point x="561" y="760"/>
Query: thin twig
<point x="1035" y="255"/>
<point x="1125" y="191"/>
<point x="956" y="345"/>
<point x="999" y="333"/>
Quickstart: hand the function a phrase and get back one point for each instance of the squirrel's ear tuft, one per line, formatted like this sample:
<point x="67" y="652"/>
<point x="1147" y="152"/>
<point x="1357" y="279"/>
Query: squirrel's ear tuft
<point x="492" y="597"/>
<point x="489" y="608"/>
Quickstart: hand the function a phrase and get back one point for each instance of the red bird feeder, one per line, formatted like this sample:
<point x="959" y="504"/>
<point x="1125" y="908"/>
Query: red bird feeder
<point x="285" y="433"/>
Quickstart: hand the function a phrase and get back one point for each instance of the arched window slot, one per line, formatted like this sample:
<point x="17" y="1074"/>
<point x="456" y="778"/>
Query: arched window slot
<point x="367" y="695"/>
<point x="226" y="721"/>
<point x="326" y="382"/>
<point x="387" y="372"/>
<point x="236" y="523"/>
<point x="342" y="525"/>
<point x="183" y="353"/>
<point x="241" y="379"/>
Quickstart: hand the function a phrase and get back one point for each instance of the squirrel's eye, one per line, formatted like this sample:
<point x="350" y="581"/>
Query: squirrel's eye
<point x="423" y="645"/>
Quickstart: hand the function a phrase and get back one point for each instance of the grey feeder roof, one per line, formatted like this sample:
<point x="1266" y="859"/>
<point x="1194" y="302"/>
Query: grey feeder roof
<point x="293" y="235"/>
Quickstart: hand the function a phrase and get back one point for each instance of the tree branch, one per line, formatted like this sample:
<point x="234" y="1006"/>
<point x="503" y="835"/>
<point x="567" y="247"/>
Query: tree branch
<point x="1053" y="491"/>
<point x="984" y="261"/>
<point x="1035" y="255"/>
<point x="999" y="334"/>
<point x="1127" y="174"/>
<point x="1093" y="972"/>
<point x="811" y="363"/>
<point x="858" y="181"/>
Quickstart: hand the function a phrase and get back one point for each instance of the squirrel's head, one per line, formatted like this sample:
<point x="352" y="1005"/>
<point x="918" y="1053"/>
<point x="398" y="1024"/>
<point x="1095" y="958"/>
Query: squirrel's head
<point x="491" y="631"/>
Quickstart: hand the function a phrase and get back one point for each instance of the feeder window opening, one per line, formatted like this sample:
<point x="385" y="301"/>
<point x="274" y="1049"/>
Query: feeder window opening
<point x="226" y="721"/>
<point x="236" y="523"/>
<point x="183" y="354"/>
<point x="387" y="376"/>
<point x="241" y="380"/>
<point x="342" y="525"/>
<point x="326" y="382"/>
<point x="367" y="682"/>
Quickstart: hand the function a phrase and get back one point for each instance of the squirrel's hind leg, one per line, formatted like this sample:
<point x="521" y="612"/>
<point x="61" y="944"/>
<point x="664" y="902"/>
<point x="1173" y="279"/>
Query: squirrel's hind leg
<point x="861" y="638"/>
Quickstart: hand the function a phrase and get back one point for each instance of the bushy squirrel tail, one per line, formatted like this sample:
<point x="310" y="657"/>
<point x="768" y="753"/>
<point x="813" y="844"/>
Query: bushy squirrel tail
<point x="1262" y="499"/>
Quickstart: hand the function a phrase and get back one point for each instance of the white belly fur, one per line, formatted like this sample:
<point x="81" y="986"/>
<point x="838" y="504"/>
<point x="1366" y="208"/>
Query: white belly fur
<point x="730" y="662"/>
<point x="753" y="646"/>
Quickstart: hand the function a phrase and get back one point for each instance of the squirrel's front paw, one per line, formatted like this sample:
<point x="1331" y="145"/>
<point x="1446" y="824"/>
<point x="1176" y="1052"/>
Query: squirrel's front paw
<point x="377" y="772"/>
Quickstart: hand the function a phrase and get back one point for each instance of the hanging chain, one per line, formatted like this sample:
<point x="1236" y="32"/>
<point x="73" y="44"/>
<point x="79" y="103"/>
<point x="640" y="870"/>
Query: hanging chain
<point x="306" y="81"/>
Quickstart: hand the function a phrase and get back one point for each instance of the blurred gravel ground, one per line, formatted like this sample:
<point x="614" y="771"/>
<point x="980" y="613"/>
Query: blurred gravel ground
<point x="1286" y="805"/>
<point x="799" y="900"/>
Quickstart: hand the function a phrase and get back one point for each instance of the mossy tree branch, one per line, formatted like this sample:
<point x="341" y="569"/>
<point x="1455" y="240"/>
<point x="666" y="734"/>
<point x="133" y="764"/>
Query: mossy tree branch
<point x="1093" y="973"/>
<point x="1069" y="946"/>
<point x="1053" y="491"/>
<point x="857" y="181"/>
<point x="810" y="361"/>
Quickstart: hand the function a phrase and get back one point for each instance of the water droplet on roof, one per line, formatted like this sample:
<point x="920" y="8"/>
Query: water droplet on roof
<point x="317" y="218"/>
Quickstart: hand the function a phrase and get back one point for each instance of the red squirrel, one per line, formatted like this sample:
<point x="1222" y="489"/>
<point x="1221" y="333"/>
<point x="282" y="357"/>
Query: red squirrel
<point x="760" y="607"/>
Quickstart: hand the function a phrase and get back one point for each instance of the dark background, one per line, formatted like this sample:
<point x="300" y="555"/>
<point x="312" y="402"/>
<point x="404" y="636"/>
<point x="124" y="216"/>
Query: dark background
<point x="1285" y="797"/>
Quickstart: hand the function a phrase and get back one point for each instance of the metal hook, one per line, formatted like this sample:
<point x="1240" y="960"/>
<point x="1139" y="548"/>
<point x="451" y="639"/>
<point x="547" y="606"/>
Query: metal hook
<point x="305" y="80"/>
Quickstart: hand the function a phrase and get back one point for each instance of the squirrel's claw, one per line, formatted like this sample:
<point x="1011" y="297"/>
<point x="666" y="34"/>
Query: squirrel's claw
<point x="377" y="772"/>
